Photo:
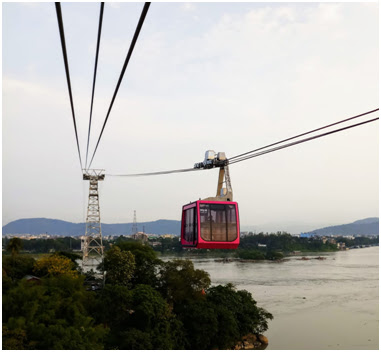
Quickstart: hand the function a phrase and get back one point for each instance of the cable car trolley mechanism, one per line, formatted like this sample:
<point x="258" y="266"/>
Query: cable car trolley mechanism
<point x="214" y="221"/>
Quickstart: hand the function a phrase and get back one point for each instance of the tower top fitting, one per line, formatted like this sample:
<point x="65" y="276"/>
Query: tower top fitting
<point x="91" y="174"/>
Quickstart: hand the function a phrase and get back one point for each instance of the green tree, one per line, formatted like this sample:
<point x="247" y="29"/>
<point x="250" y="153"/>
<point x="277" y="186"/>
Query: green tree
<point x="39" y="245"/>
<point x="119" y="266"/>
<point x="113" y="309"/>
<point x="14" y="246"/>
<point x="249" y="317"/>
<point x="138" y="319"/>
<point x="73" y="257"/>
<point x="151" y="314"/>
<point x="134" y="339"/>
<point x="55" y="265"/>
<point x="7" y="282"/>
<point x="146" y="262"/>
<point x="17" y="266"/>
<point x="200" y="324"/>
<point x="14" y="339"/>
<point x="53" y="314"/>
<point x="180" y="282"/>
<point x="220" y="320"/>
<point x="169" y="245"/>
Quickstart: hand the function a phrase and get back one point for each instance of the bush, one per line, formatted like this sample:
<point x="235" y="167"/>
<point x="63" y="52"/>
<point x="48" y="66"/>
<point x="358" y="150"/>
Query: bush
<point x="252" y="254"/>
<point x="17" y="266"/>
<point x="274" y="255"/>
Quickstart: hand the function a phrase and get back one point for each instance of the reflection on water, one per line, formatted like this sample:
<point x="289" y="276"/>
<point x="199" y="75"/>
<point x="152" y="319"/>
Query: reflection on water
<point x="317" y="304"/>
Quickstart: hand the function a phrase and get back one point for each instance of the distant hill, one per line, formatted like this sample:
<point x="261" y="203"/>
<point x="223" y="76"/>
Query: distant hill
<point x="366" y="221"/>
<point x="36" y="226"/>
<point x="369" y="226"/>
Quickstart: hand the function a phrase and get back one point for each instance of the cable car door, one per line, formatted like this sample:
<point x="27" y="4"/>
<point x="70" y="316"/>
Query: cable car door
<point x="189" y="228"/>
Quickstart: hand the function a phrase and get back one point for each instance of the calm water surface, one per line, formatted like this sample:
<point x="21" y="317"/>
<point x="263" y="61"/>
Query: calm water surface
<point x="317" y="304"/>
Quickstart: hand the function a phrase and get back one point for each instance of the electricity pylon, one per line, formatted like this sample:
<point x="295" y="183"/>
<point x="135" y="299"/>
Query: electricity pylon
<point x="91" y="244"/>
<point x="134" y="225"/>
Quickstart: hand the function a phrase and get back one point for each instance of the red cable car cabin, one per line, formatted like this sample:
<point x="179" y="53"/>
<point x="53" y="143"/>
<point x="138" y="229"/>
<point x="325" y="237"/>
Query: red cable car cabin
<point x="210" y="224"/>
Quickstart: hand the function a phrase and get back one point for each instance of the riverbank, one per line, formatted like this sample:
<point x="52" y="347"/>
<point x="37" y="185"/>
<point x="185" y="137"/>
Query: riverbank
<point x="239" y="260"/>
<point x="252" y="342"/>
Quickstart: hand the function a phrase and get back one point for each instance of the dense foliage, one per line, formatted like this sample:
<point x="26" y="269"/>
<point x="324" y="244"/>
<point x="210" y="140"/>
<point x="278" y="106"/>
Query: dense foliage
<point x="275" y="245"/>
<point x="145" y="304"/>
<point x="54" y="265"/>
<point x="51" y="314"/>
<point x="119" y="266"/>
<point x="147" y="263"/>
<point x="169" y="245"/>
<point x="14" y="245"/>
<point x="284" y="242"/>
<point x="265" y="243"/>
<point x="39" y="245"/>
<point x="358" y="241"/>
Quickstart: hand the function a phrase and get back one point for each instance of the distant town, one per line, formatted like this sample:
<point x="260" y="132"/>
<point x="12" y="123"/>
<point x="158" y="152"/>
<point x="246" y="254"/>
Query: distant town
<point x="149" y="236"/>
<point x="155" y="240"/>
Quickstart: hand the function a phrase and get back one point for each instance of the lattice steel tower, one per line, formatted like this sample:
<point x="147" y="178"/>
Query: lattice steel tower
<point x="134" y="225"/>
<point x="91" y="243"/>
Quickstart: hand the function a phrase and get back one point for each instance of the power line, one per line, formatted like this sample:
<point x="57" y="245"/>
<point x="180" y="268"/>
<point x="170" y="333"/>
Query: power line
<point x="95" y="74"/>
<point x="134" y="39"/>
<point x="62" y="35"/>
<point x="303" y="134"/>
<point x="301" y="141"/>
<point x="253" y="155"/>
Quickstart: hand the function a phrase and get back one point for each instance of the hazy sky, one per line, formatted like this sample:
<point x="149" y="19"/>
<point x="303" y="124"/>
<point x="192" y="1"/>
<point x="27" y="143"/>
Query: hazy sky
<point x="230" y="77"/>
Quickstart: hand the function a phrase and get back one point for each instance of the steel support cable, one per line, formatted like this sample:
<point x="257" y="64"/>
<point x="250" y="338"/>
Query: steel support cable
<point x="156" y="173"/>
<point x="95" y="75"/>
<point x="63" y="45"/>
<point x="303" y="134"/>
<point x="247" y="157"/>
<point x="133" y="42"/>
<point x="300" y="141"/>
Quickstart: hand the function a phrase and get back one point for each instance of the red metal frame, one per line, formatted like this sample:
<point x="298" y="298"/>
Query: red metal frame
<point x="208" y="244"/>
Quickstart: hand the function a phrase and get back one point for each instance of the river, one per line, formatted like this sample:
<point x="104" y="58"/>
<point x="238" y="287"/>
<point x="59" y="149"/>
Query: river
<point x="330" y="304"/>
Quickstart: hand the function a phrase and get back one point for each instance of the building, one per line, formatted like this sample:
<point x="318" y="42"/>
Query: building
<point x="341" y="246"/>
<point x="307" y="234"/>
<point x="31" y="278"/>
<point x="155" y="244"/>
<point x="140" y="236"/>
<point x="167" y="236"/>
<point x="331" y="241"/>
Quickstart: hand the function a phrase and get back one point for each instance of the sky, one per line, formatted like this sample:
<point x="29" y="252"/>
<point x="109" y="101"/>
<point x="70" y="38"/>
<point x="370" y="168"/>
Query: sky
<point x="229" y="77"/>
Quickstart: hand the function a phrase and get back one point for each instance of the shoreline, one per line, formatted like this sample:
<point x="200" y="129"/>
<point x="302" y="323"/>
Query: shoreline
<point x="224" y="258"/>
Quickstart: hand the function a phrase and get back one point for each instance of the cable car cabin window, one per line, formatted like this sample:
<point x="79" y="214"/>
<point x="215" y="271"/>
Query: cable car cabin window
<point x="232" y="222"/>
<point x="218" y="222"/>
<point x="190" y="225"/>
